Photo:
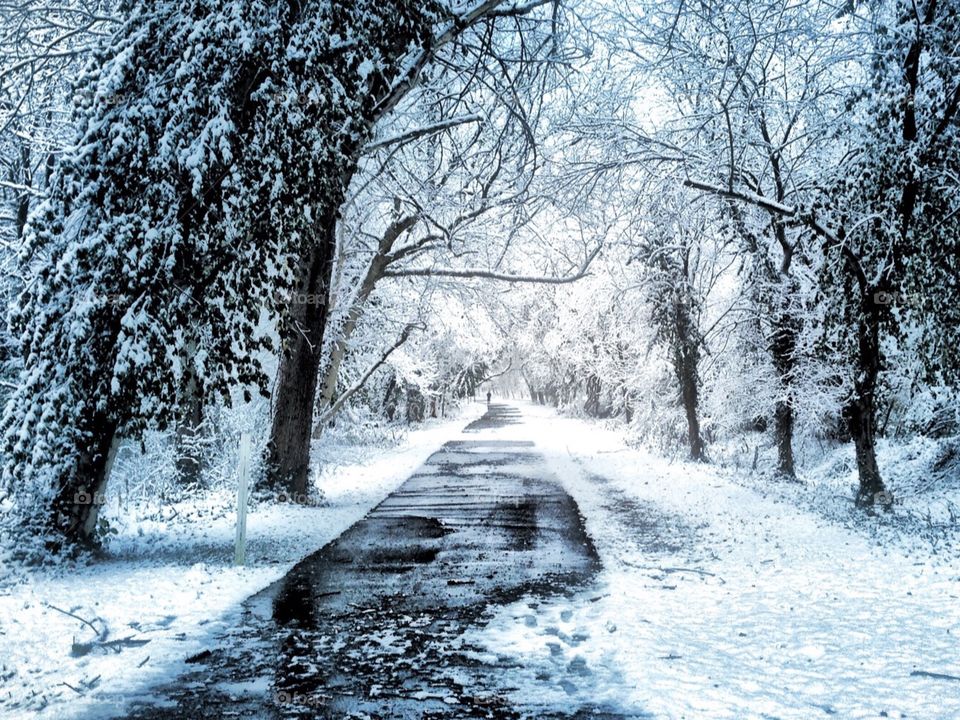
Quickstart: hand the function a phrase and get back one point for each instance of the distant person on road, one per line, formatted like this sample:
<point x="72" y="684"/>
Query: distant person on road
<point x="489" y="395"/>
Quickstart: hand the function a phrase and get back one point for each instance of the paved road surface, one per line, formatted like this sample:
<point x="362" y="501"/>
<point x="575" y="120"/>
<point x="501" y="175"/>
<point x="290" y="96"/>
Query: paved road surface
<point x="370" y="626"/>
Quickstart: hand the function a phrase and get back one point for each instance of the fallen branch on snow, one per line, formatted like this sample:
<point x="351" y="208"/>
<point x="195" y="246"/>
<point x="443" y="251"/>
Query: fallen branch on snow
<point x="668" y="570"/>
<point x="934" y="675"/>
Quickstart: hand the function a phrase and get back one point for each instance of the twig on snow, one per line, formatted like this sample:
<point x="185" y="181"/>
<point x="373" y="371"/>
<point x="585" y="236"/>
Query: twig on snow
<point x="101" y="634"/>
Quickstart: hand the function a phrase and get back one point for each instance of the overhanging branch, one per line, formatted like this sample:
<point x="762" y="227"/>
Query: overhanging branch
<point x="491" y="275"/>
<point x="495" y="375"/>
<point x="335" y="408"/>
<point x="484" y="8"/>
<point x="770" y="206"/>
<point x="774" y="208"/>
<point x="420" y="132"/>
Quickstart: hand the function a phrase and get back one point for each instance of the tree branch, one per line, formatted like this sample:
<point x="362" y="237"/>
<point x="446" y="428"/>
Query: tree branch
<point x="495" y="375"/>
<point x="485" y="8"/>
<point x="417" y="133"/>
<point x="771" y="206"/>
<point x="490" y="275"/>
<point x="335" y="408"/>
<point x="780" y="210"/>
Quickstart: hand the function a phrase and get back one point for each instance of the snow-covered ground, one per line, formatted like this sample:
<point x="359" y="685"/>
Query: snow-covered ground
<point x="720" y="597"/>
<point x="718" y="601"/>
<point x="168" y="585"/>
<point x="922" y="474"/>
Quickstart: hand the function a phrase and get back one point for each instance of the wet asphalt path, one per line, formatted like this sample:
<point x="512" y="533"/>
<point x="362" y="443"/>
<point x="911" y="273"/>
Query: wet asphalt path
<point x="370" y="626"/>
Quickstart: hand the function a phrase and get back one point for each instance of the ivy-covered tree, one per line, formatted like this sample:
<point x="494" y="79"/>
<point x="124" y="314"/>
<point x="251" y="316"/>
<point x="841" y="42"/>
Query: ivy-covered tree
<point x="215" y="142"/>
<point x="898" y="214"/>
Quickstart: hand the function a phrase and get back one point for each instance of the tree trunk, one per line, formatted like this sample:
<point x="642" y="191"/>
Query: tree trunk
<point x="189" y="462"/>
<point x="782" y="342"/>
<point x="690" y="397"/>
<point x="859" y="415"/>
<point x="23" y="201"/>
<point x="288" y="451"/>
<point x="76" y="509"/>
<point x="331" y="374"/>
<point x="415" y="405"/>
<point x="860" y="410"/>
<point x="375" y="270"/>
<point x="783" y="429"/>
<point x="783" y="347"/>
<point x="592" y="405"/>
<point x="389" y="402"/>
<point x="686" y="360"/>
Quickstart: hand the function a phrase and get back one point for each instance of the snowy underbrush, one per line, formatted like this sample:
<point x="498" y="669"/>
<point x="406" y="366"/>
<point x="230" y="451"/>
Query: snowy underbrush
<point x="145" y="470"/>
<point x="75" y="634"/>
<point x="146" y="498"/>
<point x="359" y="426"/>
<point x="922" y="474"/>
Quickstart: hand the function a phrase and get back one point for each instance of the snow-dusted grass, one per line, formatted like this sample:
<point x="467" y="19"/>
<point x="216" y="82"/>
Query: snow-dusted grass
<point x="719" y="601"/>
<point x="167" y="579"/>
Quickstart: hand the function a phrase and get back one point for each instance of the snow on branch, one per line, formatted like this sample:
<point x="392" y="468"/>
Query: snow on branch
<point x="775" y="208"/>
<point x="356" y="387"/>
<point x="771" y="206"/>
<point x="486" y="8"/>
<point x="420" y="132"/>
<point x="21" y="188"/>
<point x="491" y="275"/>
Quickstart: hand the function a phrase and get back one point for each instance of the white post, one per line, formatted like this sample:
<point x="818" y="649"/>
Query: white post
<point x="243" y="471"/>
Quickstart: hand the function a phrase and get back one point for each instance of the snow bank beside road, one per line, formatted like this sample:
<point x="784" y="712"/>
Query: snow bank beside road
<point x="718" y="602"/>
<point x="171" y="583"/>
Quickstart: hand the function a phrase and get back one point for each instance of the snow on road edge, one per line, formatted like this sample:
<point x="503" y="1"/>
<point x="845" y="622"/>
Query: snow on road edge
<point x="717" y="602"/>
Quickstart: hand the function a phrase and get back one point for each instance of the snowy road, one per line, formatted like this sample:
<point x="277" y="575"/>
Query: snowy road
<point x="374" y="624"/>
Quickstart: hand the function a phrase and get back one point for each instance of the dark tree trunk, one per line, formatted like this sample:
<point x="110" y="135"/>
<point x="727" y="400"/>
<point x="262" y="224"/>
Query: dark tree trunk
<point x="389" y="402"/>
<point x="686" y="361"/>
<point x="859" y="415"/>
<point x="860" y="410"/>
<point x="786" y="325"/>
<point x="592" y="405"/>
<point x="552" y="396"/>
<point x="288" y="451"/>
<point x="690" y="397"/>
<point x="20" y="174"/>
<point x="626" y="406"/>
<point x="416" y="405"/>
<point x="783" y="347"/>
<point x="190" y="429"/>
<point x="76" y="510"/>
<point x="783" y="430"/>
